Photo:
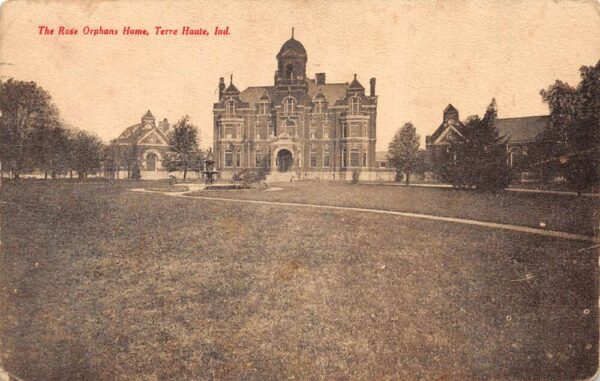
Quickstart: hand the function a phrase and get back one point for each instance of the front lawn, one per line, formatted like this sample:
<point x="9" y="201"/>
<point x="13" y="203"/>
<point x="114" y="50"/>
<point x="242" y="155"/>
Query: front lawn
<point x="543" y="211"/>
<point x="101" y="283"/>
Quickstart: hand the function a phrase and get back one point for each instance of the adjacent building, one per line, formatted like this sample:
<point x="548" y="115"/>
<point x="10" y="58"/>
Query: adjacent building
<point x="298" y="127"/>
<point x="521" y="135"/>
<point x="143" y="144"/>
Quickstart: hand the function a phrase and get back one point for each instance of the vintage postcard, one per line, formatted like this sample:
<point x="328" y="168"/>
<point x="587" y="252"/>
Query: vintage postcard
<point x="299" y="190"/>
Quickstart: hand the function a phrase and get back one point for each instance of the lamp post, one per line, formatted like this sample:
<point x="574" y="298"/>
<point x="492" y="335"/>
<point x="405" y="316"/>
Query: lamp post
<point x="209" y="167"/>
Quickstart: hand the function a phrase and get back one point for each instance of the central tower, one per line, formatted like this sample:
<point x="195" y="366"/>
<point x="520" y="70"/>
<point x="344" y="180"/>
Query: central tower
<point x="291" y="65"/>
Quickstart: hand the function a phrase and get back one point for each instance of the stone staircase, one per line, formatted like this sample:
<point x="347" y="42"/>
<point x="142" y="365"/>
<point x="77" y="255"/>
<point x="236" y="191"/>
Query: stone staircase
<point x="280" y="177"/>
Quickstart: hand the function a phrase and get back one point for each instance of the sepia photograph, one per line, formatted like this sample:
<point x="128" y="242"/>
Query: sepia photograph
<point x="299" y="190"/>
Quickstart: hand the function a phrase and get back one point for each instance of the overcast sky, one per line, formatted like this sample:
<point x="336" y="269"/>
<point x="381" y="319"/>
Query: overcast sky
<point x="424" y="54"/>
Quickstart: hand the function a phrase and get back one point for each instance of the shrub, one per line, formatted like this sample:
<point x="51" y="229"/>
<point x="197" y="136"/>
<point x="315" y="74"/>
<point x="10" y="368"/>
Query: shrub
<point x="135" y="172"/>
<point x="355" y="175"/>
<point x="250" y="178"/>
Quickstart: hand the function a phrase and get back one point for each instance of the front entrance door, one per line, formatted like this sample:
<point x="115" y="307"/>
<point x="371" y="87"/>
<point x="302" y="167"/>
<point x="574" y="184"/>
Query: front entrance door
<point x="285" y="160"/>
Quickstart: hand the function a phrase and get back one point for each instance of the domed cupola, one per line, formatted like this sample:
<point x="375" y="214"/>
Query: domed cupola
<point x="291" y="63"/>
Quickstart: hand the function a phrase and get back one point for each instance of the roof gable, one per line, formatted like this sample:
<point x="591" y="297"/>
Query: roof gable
<point x="523" y="129"/>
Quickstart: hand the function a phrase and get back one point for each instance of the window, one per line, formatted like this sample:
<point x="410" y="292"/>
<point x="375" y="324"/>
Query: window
<point x="259" y="159"/>
<point x="238" y="159"/>
<point x="344" y="158"/>
<point x="354" y="130"/>
<point x="354" y="105"/>
<point x="364" y="161"/>
<point x="230" y="108"/>
<point x="382" y="164"/>
<point x="354" y="157"/>
<point x="289" y="71"/>
<point x="263" y="108"/>
<point x="313" y="157"/>
<point x="229" y="131"/>
<point x="318" y="106"/>
<point x="326" y="157"/>
<point x="228" y="158"/>
<point x="289" y="106"/>
<point x="313" y="131"/>
<point x="289" y="127"/>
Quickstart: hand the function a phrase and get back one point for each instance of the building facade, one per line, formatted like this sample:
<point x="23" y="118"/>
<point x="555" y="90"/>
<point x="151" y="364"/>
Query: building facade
<point x="143" y="144"/>
<point x="297" y="128"/>
<point x="522" y="137"/>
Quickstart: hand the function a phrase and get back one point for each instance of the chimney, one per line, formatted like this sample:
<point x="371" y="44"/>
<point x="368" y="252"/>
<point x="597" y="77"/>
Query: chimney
<point x="221" y="87"/>
<point x="372" y="87"/>
<point x="320" y="78"/>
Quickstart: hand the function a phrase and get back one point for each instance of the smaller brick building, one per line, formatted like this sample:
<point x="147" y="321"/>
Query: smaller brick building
<point x="146" y="142"/>
<point x="521" y="134"/>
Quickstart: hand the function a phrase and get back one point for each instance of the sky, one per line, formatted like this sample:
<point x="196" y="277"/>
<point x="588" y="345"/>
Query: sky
<point x="424" y="54"/>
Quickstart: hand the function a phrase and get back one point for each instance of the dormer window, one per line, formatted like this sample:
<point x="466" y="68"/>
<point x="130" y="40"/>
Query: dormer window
<point x="289" y="106"/>
<point x="230" y="108"/>
<point x="355" y="105"/>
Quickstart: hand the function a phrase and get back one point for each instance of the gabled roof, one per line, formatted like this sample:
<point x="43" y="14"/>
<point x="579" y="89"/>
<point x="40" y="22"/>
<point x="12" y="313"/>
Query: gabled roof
<point x="523" y="129"/>
<point x="331" y="91"/>
<point x="450" y="108"/>
<point x="441" y="129"/>
<point x="355" y="84"/>
<point x="133" y="134"/>
<point x="231" y="89"/>
<point x="515" y="130"/>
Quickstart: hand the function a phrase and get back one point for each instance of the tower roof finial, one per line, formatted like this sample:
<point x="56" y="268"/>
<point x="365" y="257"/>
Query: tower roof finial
<point x="292" y="33"/>
<point x="231" y="79"/>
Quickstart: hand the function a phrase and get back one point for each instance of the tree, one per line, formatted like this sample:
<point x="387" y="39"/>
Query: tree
<point x="87" y="153"/>
<point x="422" y="163"/>
<point x="402" y="151"/>
<point x="184" y="154"/>
<point x="572" y="141"/>
<point x="478" y="158"/>
<point x="27" y="114"/>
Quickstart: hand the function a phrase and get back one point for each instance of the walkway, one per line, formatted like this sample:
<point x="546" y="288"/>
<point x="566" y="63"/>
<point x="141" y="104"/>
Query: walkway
<point x="524" y="190"/>
<point x="493" y="225"/>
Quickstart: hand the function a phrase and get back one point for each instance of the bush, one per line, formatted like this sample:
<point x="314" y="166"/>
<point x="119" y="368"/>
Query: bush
<point x="355" y="175"/>
<point x="250" y="178"/>
<point x="135" y="172"/>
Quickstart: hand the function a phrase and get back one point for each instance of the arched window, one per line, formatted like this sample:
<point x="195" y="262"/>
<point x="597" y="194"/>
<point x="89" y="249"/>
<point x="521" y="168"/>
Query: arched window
<point x="289" y="106"/>
<point x="151" y="160"/>
<point x="354" y="105"/>
<point x="289" y="71"/>
<point x="230" y="108"/>
<point x="514" y="157"/>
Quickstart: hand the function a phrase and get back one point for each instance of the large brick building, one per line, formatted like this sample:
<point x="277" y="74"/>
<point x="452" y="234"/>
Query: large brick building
<point x="298" y="127"/>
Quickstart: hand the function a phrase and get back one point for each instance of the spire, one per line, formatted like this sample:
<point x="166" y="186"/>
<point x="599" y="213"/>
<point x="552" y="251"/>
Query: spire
<point x="231" y="89"/>
<point x="292" y="33"/>
<point x="355" y="84"/>
<point x="148" y="115"/>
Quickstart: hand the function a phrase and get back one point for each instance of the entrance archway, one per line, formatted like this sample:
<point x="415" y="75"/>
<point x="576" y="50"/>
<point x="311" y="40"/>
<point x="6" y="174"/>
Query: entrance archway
<point x="151" y="160"/>
<point x="285" y="160"/>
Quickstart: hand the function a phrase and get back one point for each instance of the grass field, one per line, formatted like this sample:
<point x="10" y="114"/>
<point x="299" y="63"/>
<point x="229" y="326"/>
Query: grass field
<point x="101" y="283"/>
